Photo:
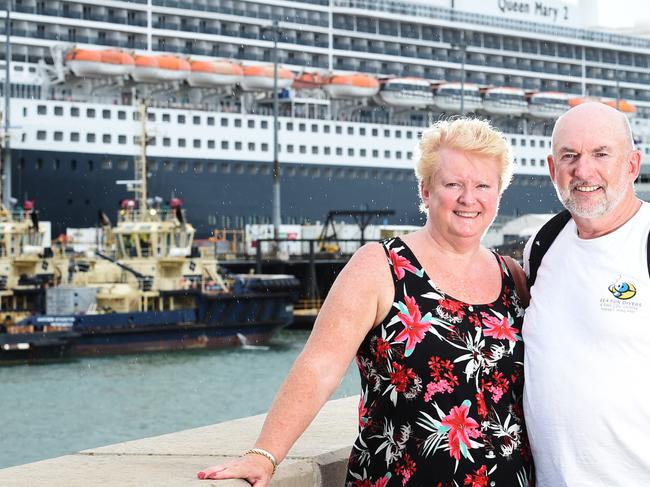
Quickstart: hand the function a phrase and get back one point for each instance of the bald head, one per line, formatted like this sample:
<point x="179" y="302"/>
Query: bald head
<point x="595" y="116"/>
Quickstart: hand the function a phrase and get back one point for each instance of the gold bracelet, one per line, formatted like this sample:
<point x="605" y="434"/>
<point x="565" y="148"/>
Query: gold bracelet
<point x="266" y="454"/>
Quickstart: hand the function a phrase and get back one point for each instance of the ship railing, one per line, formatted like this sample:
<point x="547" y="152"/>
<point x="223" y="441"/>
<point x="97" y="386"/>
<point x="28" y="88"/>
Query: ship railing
<point x="151" y="214"/>
<point x="441" y="13"/>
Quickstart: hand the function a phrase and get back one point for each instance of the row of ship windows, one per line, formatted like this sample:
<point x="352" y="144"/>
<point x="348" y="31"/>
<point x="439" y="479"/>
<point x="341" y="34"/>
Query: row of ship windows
<point x="263" y="146"/>
<point x="57" y="136"/>
<point x="225" y="122"/>
<point x="181" y="142"/>
<point x="232" y="168"/>
<point x="181" y="119"/>
<point x="532" y="162"/>
<point x="532" y="142"/>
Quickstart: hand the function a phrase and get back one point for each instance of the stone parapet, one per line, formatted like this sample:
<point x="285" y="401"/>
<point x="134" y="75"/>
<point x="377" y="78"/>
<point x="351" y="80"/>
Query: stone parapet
<point x="319" y="457"/>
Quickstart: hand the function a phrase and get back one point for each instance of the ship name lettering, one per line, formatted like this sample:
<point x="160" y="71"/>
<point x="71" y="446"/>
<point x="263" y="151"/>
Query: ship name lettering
<point x="511" y="6"/>
<point x="545" y="11"/>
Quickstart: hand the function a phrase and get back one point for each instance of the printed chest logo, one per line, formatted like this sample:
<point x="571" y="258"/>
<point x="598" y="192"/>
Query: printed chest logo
<point x="620" y="297"/>
<point x="622" y="290"/>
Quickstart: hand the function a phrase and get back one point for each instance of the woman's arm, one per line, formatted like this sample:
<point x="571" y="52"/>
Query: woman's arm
<point x="359" y="299"/>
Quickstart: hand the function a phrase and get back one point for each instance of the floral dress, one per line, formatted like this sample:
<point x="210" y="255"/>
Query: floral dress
<point x="442" y="384"/>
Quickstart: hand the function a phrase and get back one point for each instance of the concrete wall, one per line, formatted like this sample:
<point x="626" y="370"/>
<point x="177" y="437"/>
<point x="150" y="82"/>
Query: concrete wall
<point x="319" y="458"/>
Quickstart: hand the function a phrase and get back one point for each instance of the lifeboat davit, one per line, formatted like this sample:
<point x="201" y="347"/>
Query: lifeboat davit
<point x="308" y="81"/>
<point x="623" y="106"/>
<point x="447" y="97"/>
<point x="96" y="63"/>
<point x="548" y="104"/>
<point x="260" y="78"/>
<point x="406" y="92"/>
<point x="505" y="101"/>
<point x="207" y="74"/>
<point x="154" y="69"/>
<point x="351" y="86"/>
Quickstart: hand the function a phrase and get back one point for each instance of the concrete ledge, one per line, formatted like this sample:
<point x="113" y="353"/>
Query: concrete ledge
<point x="319" y="457"/>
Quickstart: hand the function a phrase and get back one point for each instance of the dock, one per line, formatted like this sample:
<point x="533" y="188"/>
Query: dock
<point x="318" y="459"/>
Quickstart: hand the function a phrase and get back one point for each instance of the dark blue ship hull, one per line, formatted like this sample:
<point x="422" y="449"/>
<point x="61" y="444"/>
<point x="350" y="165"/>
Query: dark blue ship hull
<point x="70" y="188"/>
<point x="217" y="321"/>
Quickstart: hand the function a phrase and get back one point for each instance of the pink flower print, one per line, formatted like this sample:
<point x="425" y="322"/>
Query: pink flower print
<point x="363" y="412"/>
<point x="482" y="407"/>
<point x="381" y="349"/>
<point x="400" y="264"/>
<point x="444" y="380"/>
<point x="414" y="329"/>
<point x="460" y="429"/>
<point x="474" y="320"/>
<point x="452" y="307"/>
<point x="499" y="328"/>
<point x="411" y="305"/>
<point x="498" y="386"/>
<point x="401" y="377"/>
<point x="437" y="387"/>
<point x="478" y="479"/>
<point x="405" y="468"/>
<point x="382" y="482"/>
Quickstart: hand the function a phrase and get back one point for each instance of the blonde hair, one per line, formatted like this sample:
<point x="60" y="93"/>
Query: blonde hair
<point x="471" y="135"/>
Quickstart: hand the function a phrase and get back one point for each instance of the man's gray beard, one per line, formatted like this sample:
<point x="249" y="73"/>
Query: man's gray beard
<point x="602" y="208"/>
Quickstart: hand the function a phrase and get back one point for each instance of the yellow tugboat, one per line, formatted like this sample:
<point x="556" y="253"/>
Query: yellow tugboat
<point x="149" y="289"/>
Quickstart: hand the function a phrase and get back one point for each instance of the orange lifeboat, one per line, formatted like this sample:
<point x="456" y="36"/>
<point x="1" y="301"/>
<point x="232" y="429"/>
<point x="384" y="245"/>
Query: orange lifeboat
<point x="623" y="106"/>
<point x="87" y="62"/>
<point x="208" y="74"/>
<point x="351" y="86"/>
<point x="574" y="102"/>
<point x="308" y="81"/>
<point x="260" y="78"/>
<point x="153" y="69"/>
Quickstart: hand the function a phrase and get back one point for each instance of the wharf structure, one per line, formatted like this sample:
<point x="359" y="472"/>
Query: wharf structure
<point x="360" y="79"/>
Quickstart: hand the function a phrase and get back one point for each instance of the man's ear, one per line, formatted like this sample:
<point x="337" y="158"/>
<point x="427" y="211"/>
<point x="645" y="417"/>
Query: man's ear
<point x="550" y="162"/>
<point x="634" y="164"/>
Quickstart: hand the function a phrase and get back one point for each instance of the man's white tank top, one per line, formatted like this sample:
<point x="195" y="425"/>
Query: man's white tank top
<point x="587" y="359"/>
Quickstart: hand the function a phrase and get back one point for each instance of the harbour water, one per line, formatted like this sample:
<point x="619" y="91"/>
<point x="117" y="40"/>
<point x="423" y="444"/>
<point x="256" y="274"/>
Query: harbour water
<point x="57" y="409"/>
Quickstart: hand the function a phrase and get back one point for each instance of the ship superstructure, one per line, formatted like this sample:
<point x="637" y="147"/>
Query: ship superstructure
<point x="360" y="79"/>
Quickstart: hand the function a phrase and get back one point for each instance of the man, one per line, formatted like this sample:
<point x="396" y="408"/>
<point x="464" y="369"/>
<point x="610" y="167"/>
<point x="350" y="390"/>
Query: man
<point x="587" y="329"/>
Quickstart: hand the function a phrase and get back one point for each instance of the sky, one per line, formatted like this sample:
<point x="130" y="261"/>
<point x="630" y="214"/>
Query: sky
<point x="622" y="13"/>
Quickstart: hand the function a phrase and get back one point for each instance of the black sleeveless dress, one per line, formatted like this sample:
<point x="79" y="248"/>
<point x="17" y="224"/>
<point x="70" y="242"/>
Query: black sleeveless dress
<point x="442" y="383"/>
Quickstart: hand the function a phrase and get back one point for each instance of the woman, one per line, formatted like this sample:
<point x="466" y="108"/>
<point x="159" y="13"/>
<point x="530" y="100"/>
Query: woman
<point x="435" y="323"/>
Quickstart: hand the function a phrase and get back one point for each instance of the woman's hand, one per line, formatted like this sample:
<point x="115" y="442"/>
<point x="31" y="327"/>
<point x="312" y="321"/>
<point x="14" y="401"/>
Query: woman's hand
<point x="255" y="469"/>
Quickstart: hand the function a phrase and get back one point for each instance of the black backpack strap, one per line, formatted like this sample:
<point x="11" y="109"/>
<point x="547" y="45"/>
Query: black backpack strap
<point x="647" y="247"/>
<point x="543" y="240"/>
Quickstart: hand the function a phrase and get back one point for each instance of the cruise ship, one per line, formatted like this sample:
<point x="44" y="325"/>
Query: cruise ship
<point x="357" y="81"/>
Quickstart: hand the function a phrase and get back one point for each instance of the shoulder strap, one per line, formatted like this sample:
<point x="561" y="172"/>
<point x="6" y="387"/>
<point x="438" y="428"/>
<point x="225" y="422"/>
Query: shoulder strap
<point x="386" y="244"/>
<point x="545" y="237"/>
<point x="647" y="248"/>
<point x="519" y="277"/>
<point x="543" y="240"/>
